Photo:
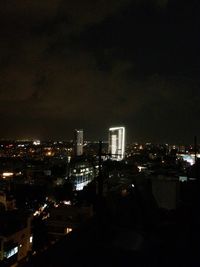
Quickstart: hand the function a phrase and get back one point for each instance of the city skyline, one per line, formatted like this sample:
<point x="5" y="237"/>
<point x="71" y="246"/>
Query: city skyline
<point x="77" y="134"/>
<point x="93" y="64"/>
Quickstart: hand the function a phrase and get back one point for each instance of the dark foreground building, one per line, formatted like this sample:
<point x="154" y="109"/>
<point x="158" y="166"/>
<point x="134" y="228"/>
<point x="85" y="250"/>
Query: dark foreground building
<point x="131" y="232"/>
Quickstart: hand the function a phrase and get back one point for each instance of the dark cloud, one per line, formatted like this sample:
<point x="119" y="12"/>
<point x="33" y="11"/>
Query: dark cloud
<point x="92" y="64"/>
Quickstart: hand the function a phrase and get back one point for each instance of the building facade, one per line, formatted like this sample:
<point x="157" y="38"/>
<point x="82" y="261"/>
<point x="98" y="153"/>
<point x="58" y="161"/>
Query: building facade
<point x="116" y="141"/>
<point x="81" y="172"/>
<point x="15" y="237"/>
<point x="78" y="142"/>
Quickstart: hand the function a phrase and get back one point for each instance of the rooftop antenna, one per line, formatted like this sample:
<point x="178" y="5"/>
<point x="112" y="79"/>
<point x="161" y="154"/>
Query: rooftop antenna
<point x="195" y="148"/>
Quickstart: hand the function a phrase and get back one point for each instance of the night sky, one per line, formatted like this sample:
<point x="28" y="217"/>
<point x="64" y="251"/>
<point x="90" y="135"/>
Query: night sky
<point x="92" y="64"/>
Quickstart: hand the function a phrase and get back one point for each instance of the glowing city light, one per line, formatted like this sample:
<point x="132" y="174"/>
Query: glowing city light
<point x="36" y="142"/>
<point x="7" y="174"/>
<point x="69" y="230"/>
<point x="31" y="239"/>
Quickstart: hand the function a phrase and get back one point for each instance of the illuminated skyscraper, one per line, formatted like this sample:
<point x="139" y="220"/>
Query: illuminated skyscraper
<point x="78" y="142"/>
<point x="116" y="143"/>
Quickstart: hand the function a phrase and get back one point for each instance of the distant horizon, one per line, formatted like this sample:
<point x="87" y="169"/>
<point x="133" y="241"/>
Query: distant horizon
<point x="92" y="141"/>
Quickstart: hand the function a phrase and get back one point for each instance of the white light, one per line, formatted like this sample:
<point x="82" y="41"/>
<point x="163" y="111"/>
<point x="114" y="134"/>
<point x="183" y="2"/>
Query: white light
<point x="43" y="207"/>
<point x="69" y="230"/>
<point x="133" y="185"/>
<point x="21" y="145"/>
<point x="36" y="142"/>
<point x="36" y="213"/>
<point x="183" y="178"/>
<point x="80" y="186"/>
<point x="67" y="202"/>
<point x="140" y="168"/>
<point x="8" y="174"/>
<point x="115" y="128"/>
<point x="11" y="252"/>
<point x="188" y="158"/>
<point x="31" y="239"/>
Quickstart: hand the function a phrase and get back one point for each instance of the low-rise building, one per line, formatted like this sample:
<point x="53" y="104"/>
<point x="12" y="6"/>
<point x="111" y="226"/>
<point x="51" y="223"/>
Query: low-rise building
<point x="64" y="219"/>
<point x="15" y="237"/>
<point x="166" y="191"/>
<point x="7" y="201"/>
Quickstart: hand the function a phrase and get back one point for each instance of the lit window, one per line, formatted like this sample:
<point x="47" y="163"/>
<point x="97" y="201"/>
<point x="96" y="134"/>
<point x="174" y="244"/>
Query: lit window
<point x="11" y="252"/>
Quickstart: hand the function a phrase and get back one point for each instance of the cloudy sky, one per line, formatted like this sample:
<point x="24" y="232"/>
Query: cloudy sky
<point x="92" y="64"/>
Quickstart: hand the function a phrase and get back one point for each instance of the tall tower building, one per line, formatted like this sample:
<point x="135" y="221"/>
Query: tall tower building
<point x="116" y="142"/>
<point x="78" y="142"/>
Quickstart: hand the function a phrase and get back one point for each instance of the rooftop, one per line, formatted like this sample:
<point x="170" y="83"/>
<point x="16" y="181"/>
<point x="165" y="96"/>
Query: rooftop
<point x="12" y="222"/>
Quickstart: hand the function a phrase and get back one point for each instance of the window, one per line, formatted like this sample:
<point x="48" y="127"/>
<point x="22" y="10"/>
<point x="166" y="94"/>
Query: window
<point x="11" y="252"/>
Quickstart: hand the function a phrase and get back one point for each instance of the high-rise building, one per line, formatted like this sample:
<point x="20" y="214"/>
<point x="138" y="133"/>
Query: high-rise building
<point x="116" y="143"/>
<point x="78" y="142"/>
